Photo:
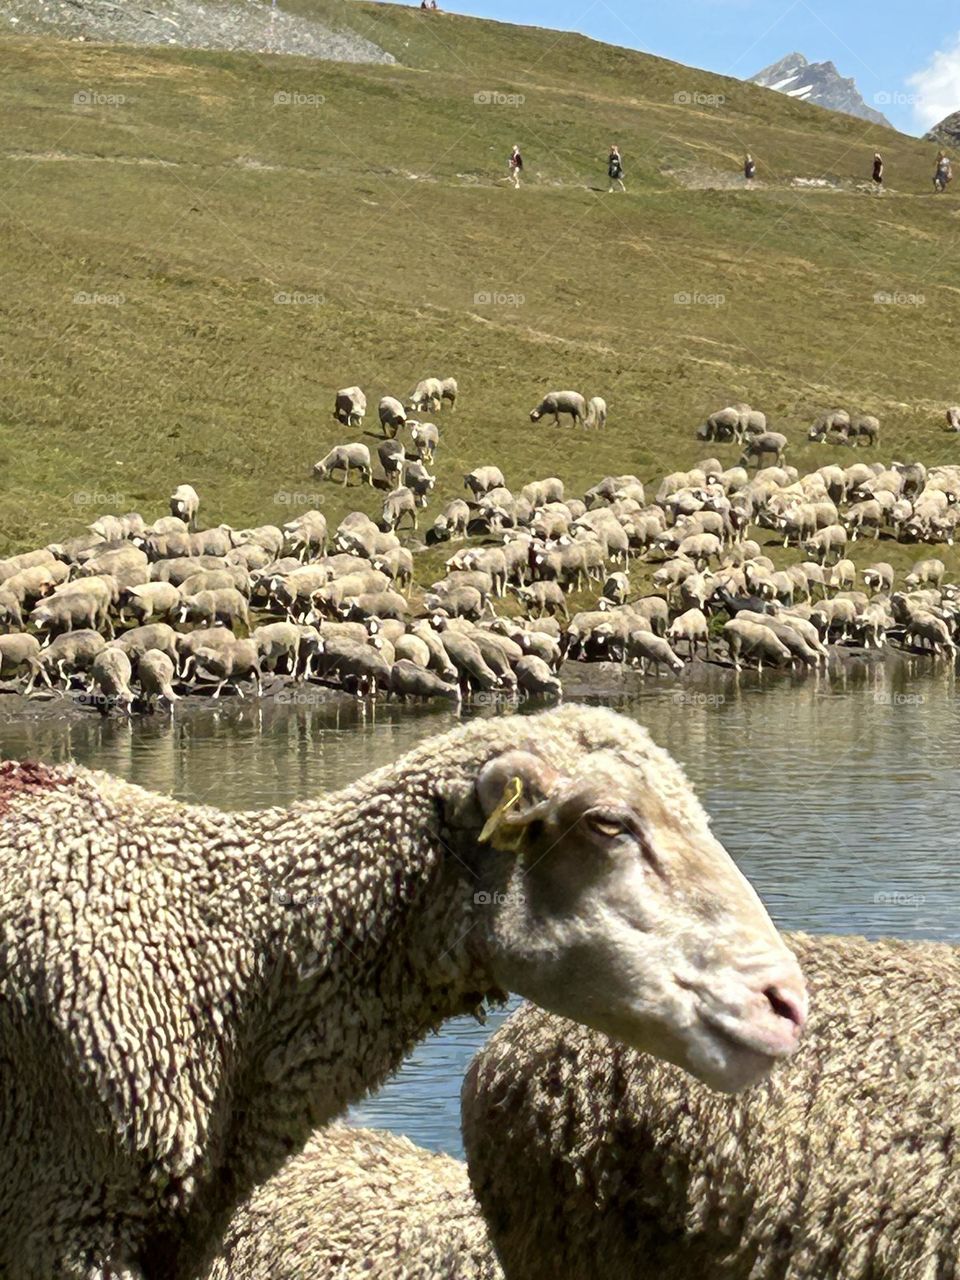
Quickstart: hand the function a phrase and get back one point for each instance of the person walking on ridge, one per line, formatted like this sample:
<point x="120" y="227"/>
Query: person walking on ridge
<point x="878" y="170"/>
<point x="749" y="167"/>
<point x="516" y="165"/>
<point x="615" y="168"/>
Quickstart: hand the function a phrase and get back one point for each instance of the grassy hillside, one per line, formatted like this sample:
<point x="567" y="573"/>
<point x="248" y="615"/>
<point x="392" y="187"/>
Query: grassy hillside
<point x="183" y="198"/>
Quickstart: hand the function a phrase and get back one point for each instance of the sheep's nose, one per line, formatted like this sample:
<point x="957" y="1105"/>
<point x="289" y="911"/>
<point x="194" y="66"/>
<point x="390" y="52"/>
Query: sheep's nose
<point x="788" y="1001"/>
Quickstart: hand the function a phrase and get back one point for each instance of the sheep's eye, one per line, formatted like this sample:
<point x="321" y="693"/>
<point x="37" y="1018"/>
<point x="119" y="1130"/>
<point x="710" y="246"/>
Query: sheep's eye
<point x="606" y="824"/>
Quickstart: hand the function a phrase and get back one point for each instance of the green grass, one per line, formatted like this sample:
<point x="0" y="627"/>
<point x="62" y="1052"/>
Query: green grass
<point x="198" y="200"/>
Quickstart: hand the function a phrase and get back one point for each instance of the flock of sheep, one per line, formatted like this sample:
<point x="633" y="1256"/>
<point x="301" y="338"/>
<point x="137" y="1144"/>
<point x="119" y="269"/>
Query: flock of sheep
<point x="218" y="607"/>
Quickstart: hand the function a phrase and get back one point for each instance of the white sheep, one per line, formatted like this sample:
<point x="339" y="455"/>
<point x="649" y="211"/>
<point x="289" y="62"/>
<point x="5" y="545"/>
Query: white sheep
<point x="357" y="1204"/>
<point x="345" y="458"/>
<point x="392" y="415"/>
<point x="184" y="504"/>
<point x="190" y="993"/>
<point x="596" y="412"/>
<point x="350" y="406"/>
<point x="557" y="402"/>
<point x="588" y="1158"/>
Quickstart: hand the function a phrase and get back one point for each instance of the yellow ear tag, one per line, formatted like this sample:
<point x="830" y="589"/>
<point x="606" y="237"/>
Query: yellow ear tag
<point x="511" y="796"/>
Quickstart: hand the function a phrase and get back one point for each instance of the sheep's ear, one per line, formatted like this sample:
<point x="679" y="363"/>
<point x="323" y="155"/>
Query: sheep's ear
<point x="513" y="789"/>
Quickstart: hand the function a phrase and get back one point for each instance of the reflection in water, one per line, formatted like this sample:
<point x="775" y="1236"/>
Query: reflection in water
<point x="837" y="797"/>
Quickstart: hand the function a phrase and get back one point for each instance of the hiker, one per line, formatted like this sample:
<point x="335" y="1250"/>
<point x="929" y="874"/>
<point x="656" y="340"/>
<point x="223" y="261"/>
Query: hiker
<point x="615" y="168"/>
<point x="516" y="165"/>
<point x="878" y="170"/>
<point x="944" y="172"/>
<point x="749" y="167"/>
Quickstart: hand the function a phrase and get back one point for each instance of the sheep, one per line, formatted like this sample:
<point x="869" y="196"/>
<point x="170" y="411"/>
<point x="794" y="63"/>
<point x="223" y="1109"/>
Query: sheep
<point x="722" y="426"/>
<point x="25" y="560"/>
<point x="693" y="627"/>
<point x="586" y="1156"/>
<point x="359" y="1203"/>
<point x="268" y="536"/>
<point x="596" y="412"/>
<point x="412" y="680"/>
<point x="71" y="652"/>
<point x="427" y="395"/>
<point x="925" y="628"/>
<point x="350" y="406"/>
<point x="953" y="418"/>
<point x="397" y="564"/>
<point x="226" y="606"/>
<point x="400" y="502"/>
<point x="115" y="528"/>
<point x="879" y="577"/>
<point x="150" y="600"/>
<point x="345" y="458"/>
<point x="278" y="642"/>
<point x="18" y="651"/>
<point x="452" y="521"/>
<point x="481" y="480"/>
<point x="373" y="604"/>
<point x="80" y="610"/>
<point x="836" y="422"/>
<point x="557" y="402"/>
<point x="393" y="459"/>
<point x="357" y="665"/>
<point x="140" y="640"/>
<point x="750" y="638"/>
<point x="757" y="446"/>
<point x="827" y="542"/>
<point x="155" y="672"/>
<point x="204" y="638"/>
<point x="535" y="678"/>
<point x="420" y="481"/>
<point x="542" y="597"/>
<point x="426" y="439"/>
<point x="616" y="588"/>
<point x="926" y="572"/>
<point x="110" y="675"/>
<point x="449" y="390"/>
<point x="865" y="427"/>
<point x="230" y="664"/>
<point x="30" y="585"/>
<point x="184" y="504"/>
<point x="306" y="536"/>
<point x="645" y="650"/>
<point x="392" y="415"/>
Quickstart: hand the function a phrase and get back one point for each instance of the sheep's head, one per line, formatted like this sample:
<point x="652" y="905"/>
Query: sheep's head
<point x="603" y="897"/>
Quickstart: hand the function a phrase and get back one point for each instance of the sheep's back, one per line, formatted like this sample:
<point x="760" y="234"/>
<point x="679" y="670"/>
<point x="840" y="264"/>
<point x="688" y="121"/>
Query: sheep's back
<point x="589" y="1157"/>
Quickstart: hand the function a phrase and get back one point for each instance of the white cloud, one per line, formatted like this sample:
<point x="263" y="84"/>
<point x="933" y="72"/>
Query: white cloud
<point x="937" y="86"/>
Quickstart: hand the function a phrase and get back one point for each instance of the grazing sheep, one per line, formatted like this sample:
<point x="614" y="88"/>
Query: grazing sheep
<point x="596" y="412"/>
<point x="401" y="502"/>
<point x="155" y="672"/>
<point x="449" y="390"/>
<point x="141" y="640"/>
<point x="306" y="536"/>
<point x="184" y="504"/>
<point x="257" y="945"/>
<point x="393" y="458"/>
<point x="420" y="481"/>
<point x="587" y="1157"/>
<point x="19" y="651"/>
<point x="412" y="680"/>
<point x="225" y="605"/>
<point x="482" y="480"/>
<point x="540" y="598"/>
<point x="25" y="560"/>
<point x="452" y="521"/>
<point x="926" y="573"/>
<point x="557" y="402"/>
<point x="110" y="676"/>
<point x="392" y="415"/>
<point x="953" y="418"/>
<point x="357" y="1204"/>
<point x="204" y="638"/>
<point x="616" y="588"/>
<point x="756" y="447"/>
<point x="230" y="664"/>
<point x="535" y="678"/>
<point x="345" y="458"/>
<point x="278" y="642"/>
<point x="827" y="542"/>
<point x="722" y="426"/>
<point x="427" y="395"/>
<point x="350" y="406"/>
<point x="71" y="653"/>
<point x="756" y="641"/>
<point x="643" y="649"/>
<point x="426" y="439"/>
<point x="879" y="577"/>
<point x="150" y="600"/>
<point x="693" y="627"/>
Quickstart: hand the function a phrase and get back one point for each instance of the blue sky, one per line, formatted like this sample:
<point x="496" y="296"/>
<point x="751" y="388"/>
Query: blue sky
<point x="904" y="56"/>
